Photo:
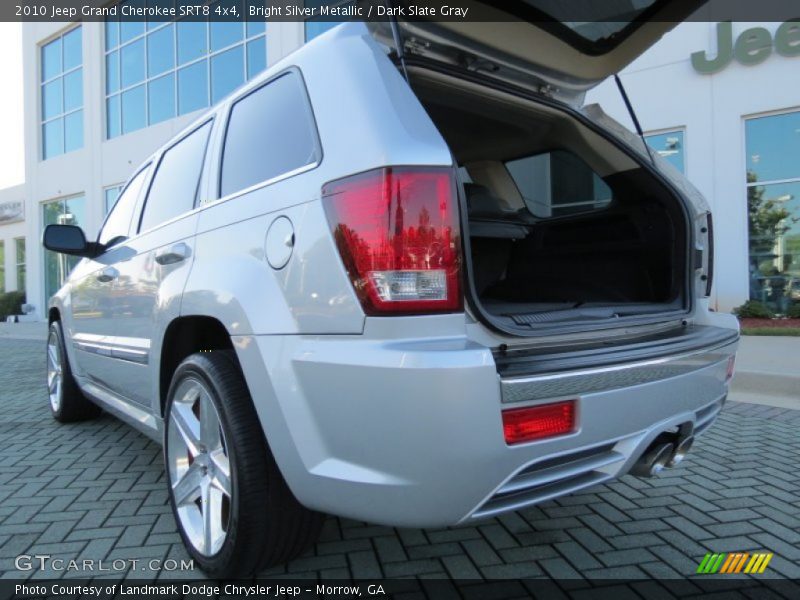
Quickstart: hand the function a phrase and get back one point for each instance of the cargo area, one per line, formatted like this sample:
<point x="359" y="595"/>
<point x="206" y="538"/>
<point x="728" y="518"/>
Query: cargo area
<point x="562" y="226"/>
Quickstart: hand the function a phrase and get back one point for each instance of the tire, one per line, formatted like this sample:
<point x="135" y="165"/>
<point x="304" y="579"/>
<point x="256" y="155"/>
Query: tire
<point x="67" y="402"/>
<point x="234" y="511"/>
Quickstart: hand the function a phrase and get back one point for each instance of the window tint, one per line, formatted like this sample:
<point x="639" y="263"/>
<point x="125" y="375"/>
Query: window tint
<point x="174" y="186"/>
<point x="119" y="220"/>
<point x="558" y="183"/>
<point x="270" y="133"/>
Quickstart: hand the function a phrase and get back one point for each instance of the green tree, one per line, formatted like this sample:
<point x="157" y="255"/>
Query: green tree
<point x="768" y="219"/>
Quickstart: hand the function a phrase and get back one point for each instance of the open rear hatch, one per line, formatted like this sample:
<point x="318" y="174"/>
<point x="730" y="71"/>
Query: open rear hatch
<point x="565" y="229"/>
<point x="561" y="48"/>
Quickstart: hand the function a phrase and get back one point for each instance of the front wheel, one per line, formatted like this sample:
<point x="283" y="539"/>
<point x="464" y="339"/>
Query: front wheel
<point x="234" y="511"/>
<point x="67" y="402"/>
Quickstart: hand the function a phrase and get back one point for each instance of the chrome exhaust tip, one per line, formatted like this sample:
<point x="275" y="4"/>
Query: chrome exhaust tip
<point x="654" y="460"/>
<point x="681" y="450"/>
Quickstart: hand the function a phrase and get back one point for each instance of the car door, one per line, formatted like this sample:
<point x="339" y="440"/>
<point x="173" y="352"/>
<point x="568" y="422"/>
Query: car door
<point x="151" y="278"/>
<point x="94" y="289"/>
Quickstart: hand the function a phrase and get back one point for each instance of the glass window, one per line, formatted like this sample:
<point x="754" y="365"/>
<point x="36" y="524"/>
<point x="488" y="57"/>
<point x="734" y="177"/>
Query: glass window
<point x="270" y="132"/>
<point x="110" y="195"/>
<point x="225" y="33"/>
<point x="160" y="51"/>
<point x="161" y="98"/>
<point x="19" y="248"/>
<point x="773" y="209"/>
<point x="191" y="41"/>
<point x="192" y="88"/>
<point x="73" y="131"/>
<point x="256" y="57"/>
<point x="203" y="62"/>
<point x="227" y="73"/>
<point x="175" y="183"/>
<point x="133" y="110"/>
<point x="118" y="222"/>
<point x="58" y="266"/>
<point x="132" y="64"/>
<point x="62" y="94"/>
<point x="558" y="183"/>
<point x="669" y="146"/>
<point x="2" y="267"/>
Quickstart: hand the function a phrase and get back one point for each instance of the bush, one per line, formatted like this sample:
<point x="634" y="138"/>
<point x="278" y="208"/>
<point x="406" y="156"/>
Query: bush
<point x="11" y="304"/>
<point x="794" y="311"/>
<point x="753" y="309"/>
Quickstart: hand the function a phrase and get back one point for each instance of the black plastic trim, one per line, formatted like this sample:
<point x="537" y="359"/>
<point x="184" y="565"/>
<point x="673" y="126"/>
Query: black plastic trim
<point x="536" y="361"/>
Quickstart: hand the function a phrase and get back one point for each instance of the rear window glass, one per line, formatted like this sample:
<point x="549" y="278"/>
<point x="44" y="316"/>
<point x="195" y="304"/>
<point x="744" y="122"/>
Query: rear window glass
<point x="270" y="133"/>
<point x="558" y="183"/>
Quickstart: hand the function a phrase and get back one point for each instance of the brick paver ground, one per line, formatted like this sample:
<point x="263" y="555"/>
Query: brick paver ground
<point x="96" y="490"/>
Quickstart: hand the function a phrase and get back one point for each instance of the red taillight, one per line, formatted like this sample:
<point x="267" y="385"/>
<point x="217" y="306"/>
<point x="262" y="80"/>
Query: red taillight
<point x="538" y="422"/>
<point x="398" y="235"/>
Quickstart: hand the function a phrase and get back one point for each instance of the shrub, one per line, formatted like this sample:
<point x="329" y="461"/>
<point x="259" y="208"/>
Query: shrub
<point x="11" y="304"/>
<point x="794" y="311"/>
<point x="753" y="309"/>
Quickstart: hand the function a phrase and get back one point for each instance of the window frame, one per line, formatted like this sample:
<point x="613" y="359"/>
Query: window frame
<point x="172" y="71"/>
<point x="41" y="83"/>
<point x="123" y="189"/>
<point x="158" y="160"/>
<point x="23" y="263"/>
<point x="308" y="108"/>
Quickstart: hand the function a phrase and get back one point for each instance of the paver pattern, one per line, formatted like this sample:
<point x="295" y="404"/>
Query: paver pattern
<point x="96" y="490"/>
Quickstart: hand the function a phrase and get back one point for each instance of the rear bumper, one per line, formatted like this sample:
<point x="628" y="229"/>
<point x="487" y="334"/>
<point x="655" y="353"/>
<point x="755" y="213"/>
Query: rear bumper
<point x="409" y="432"/>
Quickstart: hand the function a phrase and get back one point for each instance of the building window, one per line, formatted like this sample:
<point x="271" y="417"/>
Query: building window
<point x="110" y="195"/>
<point x="62" y="94"/>
<point x="19" y="247"/>
<point x="670" y="146"/>
<point x="156" y="71"/>
<point x="2" y="267"/>
<point x="773" y="208"/>
<point x="69" y="211"/>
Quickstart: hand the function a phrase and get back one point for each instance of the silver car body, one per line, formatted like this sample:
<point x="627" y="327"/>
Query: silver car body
<point x="393" y="420"/>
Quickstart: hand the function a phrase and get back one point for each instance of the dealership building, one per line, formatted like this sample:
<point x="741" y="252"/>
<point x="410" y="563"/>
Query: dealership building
<point x="721" y="102"/>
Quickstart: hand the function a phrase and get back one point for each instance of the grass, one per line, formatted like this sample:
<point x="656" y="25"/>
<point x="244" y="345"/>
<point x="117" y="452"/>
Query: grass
<point x="783" y="331"/>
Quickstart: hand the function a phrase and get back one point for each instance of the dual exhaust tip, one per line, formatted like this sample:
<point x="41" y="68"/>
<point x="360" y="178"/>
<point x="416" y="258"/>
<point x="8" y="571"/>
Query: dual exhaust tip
<point x="667" y="451"/>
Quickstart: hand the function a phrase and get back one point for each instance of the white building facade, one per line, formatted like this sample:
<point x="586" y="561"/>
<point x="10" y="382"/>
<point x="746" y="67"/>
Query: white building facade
<point x="100" y="98"/>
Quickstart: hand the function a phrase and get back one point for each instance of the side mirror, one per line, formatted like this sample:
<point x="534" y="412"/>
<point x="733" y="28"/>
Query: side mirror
<point x="68" y="239"/>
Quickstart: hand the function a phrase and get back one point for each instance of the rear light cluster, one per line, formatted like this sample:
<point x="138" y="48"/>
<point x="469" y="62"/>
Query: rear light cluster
<point x="522" y="425"/>
<point x="398" y="234"/>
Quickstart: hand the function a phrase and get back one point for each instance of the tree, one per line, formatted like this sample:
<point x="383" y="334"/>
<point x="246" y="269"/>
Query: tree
<point x="768" y="220"/>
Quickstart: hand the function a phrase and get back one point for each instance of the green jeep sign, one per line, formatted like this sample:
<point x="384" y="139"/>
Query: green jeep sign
<point x="752" y="47"/>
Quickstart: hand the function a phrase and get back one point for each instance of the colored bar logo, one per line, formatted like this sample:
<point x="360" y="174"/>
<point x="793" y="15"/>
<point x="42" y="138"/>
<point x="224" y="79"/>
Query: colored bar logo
<point x="734" y="562"/>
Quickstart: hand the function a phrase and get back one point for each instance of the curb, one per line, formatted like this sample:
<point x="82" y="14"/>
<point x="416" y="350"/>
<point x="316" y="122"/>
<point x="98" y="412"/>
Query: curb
<point x="762" y="382"/>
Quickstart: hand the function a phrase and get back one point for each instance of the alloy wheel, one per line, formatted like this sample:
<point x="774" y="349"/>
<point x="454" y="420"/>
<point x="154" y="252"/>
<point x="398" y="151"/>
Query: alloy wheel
<point x="54" y="371"/>
<point x="198" y="467"/>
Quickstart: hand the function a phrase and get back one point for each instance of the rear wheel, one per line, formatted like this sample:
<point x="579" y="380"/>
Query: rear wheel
<point x="67" y="402"/>
<point x="234" y="511"/>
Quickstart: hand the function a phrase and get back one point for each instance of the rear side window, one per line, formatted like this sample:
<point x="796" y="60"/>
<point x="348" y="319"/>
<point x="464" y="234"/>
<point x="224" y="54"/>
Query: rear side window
<point x="558" y="183"/>
<point x="119" y="219"/>
<point x="270" y="132"/>
<point x="175" y="183"/>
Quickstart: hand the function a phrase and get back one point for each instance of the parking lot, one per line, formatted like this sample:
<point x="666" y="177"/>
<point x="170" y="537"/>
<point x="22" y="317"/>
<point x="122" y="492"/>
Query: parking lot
<point x="96" y="490"/>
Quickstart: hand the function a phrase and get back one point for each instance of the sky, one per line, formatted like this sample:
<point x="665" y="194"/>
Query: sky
<point x="12" y="146"/>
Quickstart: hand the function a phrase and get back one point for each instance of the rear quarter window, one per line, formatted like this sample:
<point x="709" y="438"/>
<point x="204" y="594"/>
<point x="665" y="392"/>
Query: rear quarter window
<point x="270" y="132"/>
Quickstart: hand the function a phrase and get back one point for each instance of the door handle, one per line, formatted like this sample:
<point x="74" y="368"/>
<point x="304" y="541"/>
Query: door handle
<point x="108" y="274"/>
<point x="174" y="254"/>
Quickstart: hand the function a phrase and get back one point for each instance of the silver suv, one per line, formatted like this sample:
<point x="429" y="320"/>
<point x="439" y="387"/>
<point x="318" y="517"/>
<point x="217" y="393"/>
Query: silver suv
<point x="404" y="277"/>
